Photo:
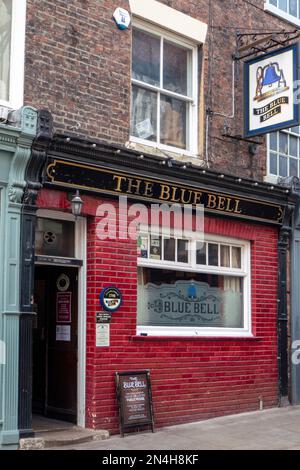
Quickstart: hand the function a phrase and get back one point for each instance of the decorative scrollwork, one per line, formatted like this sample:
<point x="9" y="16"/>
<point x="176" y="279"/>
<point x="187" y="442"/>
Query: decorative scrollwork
<point x="249" y="44"/>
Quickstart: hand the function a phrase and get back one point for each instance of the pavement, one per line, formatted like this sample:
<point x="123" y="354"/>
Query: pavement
<point x="275" y="429"/>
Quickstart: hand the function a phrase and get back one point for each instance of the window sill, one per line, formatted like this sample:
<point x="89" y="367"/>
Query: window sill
<point x="281" y="14"/>
<point x="195" y="338"/>
<point x="272" y="179"/>
<point x="161" y="150"/>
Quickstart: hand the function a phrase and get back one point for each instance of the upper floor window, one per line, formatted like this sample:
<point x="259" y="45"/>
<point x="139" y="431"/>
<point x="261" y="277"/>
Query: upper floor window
<point x="164" y="90"/>
<point x="289" y="10"/>
<point x="12" y="40"/>
<point x="284" y="153"/>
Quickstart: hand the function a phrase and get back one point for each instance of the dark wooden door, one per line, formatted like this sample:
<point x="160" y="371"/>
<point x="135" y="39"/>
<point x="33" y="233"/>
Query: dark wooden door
<point x="56" y="366"/>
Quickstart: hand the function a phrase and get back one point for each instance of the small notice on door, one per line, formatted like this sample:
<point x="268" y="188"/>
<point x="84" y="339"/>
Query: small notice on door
<point x="63" y="332"/>
<point x="102" y="334"/>
<point x="63" y="307"/>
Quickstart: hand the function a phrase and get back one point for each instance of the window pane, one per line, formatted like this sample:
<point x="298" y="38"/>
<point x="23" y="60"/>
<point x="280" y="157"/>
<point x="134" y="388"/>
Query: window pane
<point x="236" y="257"/>
<point x="177" y="298"/>
<point x="142" y="246"/>
<point x="173" y="117"/>
<point x="283" y="5"/>
<point x="155" y="247"/>
<point x="5" y="44"/>
<point x="175" y="71"/>
<point x="282" y="165"/>
<point x="213" y="257"/>
<point x="182" y="251"/>
<point x="273" y="2"/>
<point x="293" y="7"/>
<point x="293" y="167"/>
<point x="293" y="146"/>
<point x="54" y="238"/>
<point x="295" y="129"/>
<point x="201" y="253"/>
<point x="144" y="114"/>
<point x="273" y="141"/>
<point x="145" y="57"/>
<point x="169" y="249"/>
<point x="273" y="163"/>
<point x="283" y="142"/>
<point x="225" y="256"/>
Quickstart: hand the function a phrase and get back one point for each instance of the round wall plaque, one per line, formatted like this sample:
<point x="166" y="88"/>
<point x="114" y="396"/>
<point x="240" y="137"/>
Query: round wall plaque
<point x="111" y="299"/>
<point x="63" y="282"/>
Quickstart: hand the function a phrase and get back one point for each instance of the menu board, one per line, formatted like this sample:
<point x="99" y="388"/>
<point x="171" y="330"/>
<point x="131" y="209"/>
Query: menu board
<point x="63" y="307"/>
<point x="134" y="399"/>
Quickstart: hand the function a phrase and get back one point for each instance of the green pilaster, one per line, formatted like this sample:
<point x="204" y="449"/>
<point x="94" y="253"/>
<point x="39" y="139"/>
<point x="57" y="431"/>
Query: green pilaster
<point x="15" y="148"/>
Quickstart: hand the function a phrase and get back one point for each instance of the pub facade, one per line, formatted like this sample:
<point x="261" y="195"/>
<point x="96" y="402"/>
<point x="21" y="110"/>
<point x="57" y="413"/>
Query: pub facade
<point x="199" y="308"/>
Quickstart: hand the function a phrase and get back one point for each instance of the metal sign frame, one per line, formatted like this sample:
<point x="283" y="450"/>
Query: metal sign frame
<point x="296" y="108"/>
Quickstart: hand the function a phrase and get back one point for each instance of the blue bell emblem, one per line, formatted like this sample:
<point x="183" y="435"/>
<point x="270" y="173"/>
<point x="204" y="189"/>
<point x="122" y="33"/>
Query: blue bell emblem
<point x="192" y="291"/>
<point x="270" y="76"/>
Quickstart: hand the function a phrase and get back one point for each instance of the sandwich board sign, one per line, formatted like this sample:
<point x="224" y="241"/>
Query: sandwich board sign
<point x="134" y="400"/>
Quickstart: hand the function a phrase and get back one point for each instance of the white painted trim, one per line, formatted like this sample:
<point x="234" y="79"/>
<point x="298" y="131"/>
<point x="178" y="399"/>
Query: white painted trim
<point x="80" y="253"/>
<point x="244" y="272"/>
<point x="48" y="214"/>
<point x="281" y="14"/>
<point x="192" y="332"/>
<point x="192" y="99"/>
<point x="169" y="18"/>
<point x="17" y="56"/>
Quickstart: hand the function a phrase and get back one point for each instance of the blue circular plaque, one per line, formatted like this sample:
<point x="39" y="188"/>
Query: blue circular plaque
<point x="111" y="299"/>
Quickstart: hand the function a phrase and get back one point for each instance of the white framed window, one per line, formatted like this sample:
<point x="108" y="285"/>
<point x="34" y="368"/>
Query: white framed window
<point x="12" y="44"/>
<point x="164" y="89"/>
<point x="288" y="10"/>
<point x="193" y="288"/>
<point x="284" y="153"/>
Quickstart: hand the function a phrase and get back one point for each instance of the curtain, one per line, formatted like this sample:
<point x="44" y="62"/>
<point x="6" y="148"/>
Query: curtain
<point x="5" y="43"/>
<point x="144" y="113"/>
<point x="233" y="302"/>
<point x="173" y="119"/>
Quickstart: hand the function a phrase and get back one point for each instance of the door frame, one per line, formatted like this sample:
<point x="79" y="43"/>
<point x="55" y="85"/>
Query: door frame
<point x="80" y="253"/>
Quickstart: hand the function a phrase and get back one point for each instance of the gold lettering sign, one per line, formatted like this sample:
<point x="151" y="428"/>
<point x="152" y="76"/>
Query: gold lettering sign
<point x="107" y="181"/>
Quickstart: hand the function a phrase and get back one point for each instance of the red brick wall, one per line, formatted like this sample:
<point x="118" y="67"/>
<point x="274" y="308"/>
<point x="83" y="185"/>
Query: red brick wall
<point x="78" y="66"/>
<point x="192" y="379"/>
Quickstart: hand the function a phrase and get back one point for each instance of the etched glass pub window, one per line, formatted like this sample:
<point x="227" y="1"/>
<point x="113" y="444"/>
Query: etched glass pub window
<point x="190" y="287"/>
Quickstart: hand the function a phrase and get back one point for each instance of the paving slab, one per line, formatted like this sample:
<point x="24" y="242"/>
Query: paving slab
<point x="274" y="429"/>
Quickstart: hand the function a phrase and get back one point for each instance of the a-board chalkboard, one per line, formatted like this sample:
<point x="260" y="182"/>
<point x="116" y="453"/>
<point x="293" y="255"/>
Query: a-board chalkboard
<point x="134" y="399"/>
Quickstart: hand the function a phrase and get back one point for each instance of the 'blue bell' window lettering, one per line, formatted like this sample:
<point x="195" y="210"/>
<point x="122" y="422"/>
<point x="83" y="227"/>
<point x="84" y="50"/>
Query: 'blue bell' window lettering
<point x="174" y="298"/>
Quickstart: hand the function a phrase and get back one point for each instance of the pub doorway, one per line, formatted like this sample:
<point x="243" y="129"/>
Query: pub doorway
<point x="59" y="326"/>
<point x="55" y="342"/>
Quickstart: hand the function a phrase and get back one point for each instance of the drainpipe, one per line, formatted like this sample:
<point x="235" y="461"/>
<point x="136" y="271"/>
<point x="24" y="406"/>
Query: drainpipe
<point x="282" y="317"/>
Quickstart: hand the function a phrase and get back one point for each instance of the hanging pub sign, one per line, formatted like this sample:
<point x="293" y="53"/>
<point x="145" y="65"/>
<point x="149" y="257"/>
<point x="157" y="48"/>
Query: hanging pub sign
<point x="271" y="97"/>
<point x="134" y="400"/>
